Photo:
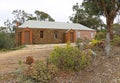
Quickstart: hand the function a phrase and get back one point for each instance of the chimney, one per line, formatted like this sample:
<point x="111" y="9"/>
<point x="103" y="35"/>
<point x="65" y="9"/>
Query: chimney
<point x="18" y="24"/>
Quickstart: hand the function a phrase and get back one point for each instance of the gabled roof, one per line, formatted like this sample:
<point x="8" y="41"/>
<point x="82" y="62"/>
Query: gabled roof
<point x="53" y="25"/>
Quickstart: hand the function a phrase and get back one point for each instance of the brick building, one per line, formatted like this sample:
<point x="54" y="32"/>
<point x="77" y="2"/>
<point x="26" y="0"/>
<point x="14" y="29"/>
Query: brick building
<point x="42" y="32"/>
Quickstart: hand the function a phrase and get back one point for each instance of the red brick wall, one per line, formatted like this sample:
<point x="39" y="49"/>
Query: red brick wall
<point x="48" y="35"/>
<point x="86" y="34"/>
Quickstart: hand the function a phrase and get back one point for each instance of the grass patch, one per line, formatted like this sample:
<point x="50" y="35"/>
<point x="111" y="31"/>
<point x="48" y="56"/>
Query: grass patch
<point x="12" y="49"/>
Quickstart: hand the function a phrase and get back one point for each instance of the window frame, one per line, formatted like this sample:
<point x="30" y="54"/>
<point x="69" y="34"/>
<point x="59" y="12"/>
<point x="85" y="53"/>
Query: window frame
<point x="41" y="34"/>
<point x="92" y="34"/>
<point x="55" y="34"/>
<point x="78" y="34"/>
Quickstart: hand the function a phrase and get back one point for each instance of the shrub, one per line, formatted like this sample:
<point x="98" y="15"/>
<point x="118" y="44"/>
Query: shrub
<point x="94" y="42"/>
<point x="2" y="40"/>
<point x="29" y="60"/>
<point x="69" y="58"/>
<point x="20" y="62"/>
<point x="6" y="40"/>
<point x="82" y="43"/>
<point x="97" y="44"/>
<point x="116" y="41"/>
<point x="41" y="72"/>
<point x="78" y="42"/>
<point x="100" y="36"/>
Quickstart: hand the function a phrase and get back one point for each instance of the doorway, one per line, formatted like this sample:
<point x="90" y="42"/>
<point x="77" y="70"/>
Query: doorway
<point x="27" y="37"/>
<point x="71" y="37"/>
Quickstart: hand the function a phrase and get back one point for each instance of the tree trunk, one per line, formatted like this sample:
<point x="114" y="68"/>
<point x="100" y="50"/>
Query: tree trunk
<point x="109" y="22"/>
<point x="107" y="47"/>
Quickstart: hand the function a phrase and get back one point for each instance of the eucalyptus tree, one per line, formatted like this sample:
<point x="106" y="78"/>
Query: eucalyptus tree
<point x="42" y="16"/>
<point x="21" y="16"/>
<point x="107" y="8"/>
<point x="83" y="17"/>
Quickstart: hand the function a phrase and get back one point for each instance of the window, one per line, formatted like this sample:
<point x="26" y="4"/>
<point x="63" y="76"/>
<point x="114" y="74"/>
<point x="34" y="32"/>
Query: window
<point x="55" y="35"/>
<point x="78" y="34"/>
<point x="92" y="34"/>
<point x="41" y="34"/>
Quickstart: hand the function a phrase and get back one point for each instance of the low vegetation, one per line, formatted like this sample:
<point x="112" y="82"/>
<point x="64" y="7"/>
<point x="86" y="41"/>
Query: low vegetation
<point x="70" y="58"/>
<point x="40" y="72"/>
<point x="62" y="59"/>
<point x="116" y="40"/>
<point x="6" y="41"/>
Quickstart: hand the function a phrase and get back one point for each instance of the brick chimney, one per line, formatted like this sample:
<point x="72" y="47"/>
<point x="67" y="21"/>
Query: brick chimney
<point x="18" y="24"/>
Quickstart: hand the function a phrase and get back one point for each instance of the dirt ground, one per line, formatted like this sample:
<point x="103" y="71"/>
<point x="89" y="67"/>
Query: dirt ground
<point x="104" y="69"/>
<point x="9" y="60"/>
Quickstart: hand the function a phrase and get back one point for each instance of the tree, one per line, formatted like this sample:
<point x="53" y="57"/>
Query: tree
<point x="9" y="26"/>
<point x="9" y="34"/>
<point x="2" y="29"/>
<point x="107" y="8"/>
<point x="83" y="17"/>
<point x="21" y="16"/>
<point x="43" y="16"/>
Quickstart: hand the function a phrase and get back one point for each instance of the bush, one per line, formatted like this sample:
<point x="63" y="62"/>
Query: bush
<point x="6" y="40"/>
<point x="41" y="72"/>
<point x="94" y="42"/>
<point x="82" y="43"/>
<point x="116" y="41"/>
<point x="29" y="60"/>
<point x="100" y="36"/>
<point x="2" y="40"/>
<point x="98" y="44"/>
<point x="69" y="58"/>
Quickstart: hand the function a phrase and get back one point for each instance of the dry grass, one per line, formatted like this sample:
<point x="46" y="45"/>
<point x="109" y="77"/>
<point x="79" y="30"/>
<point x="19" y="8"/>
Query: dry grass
<point x="9" y="60"/>
<point x="104" y="69"/>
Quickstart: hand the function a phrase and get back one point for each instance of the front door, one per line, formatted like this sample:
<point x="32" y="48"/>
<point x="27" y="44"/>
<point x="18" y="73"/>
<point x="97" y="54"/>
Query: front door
<point x="71" y="37"/>
<point x="27" y="37"/>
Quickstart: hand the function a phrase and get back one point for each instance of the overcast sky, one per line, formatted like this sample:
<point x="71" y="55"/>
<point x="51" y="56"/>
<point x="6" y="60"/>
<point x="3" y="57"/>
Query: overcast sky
<point x="60" y="10"/>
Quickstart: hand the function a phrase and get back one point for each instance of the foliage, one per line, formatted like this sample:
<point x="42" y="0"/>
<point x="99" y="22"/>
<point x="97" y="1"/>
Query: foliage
<point x="6" y="41"/>
<point x="69" y="58"/>
<point x="97" y="45"/>
<point x="2" y="40"/>
<point x="85" y="59"/>
<point x="82" y="43"/>
<point x="78" y="42"/>
<point x="43" y="16"/>
<point x="20" y="16"/>
<point x="94" y="42"/>
<point x="100" y="35"/>
<point x="83" y="17"/>
<point x="116" y="29"/>
<point x="116" y="40"/>
<point x="17" y="48"/>
<point x="107" y="8"/>
<point x="41" y="72"/>
<point x="9" y="33"/>
<point x="20" y="62"/>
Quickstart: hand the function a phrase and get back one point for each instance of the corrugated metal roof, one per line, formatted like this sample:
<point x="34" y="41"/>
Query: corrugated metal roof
<point x="53" y="25"/>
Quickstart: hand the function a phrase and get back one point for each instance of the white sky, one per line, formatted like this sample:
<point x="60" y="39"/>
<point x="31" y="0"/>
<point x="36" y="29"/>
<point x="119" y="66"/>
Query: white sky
<point x="60" y="10"/>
